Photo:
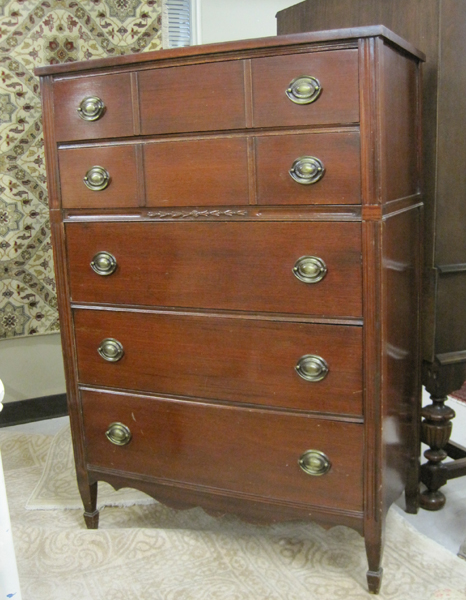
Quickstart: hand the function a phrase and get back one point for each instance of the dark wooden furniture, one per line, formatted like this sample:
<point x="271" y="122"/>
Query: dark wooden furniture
<point x="439" y="29"/>
<point x="236" y="233"/>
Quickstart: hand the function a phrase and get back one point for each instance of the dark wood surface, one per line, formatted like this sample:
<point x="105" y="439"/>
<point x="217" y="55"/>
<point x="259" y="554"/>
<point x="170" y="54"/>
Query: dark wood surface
<point x="338" y="102"/>
<point x="209" y="266"/>
<point x="119" y="161"/>
<point x="216" y="446"/>
<point x="339" y="153"/>
<point x="439" y="29"/>
<point x="203" y="97"/>
<point x="183" y="173"/>
<point x="246" y="361"/>
<point x="204" y="300"/>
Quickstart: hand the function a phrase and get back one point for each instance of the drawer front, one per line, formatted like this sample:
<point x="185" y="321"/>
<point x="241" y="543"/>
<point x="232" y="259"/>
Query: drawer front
<point x="205" y="97"/>
<point x="336" y="154"/>
<point x="113" y="119"/>
<point x="119" y="162"/>
<point x="241" y="266"/>
<point x="337" y="100"/>
<point x="240" y="360"/>
<point x="250" y="452"/>
<point x="197" y="172"/>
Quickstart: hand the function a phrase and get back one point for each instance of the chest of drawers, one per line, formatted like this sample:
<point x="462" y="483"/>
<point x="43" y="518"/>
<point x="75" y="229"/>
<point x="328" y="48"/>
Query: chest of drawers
<point x="236" y="235"/>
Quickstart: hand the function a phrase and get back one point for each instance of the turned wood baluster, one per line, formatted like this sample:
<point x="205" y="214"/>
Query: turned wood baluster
<point x="435" y="432"/>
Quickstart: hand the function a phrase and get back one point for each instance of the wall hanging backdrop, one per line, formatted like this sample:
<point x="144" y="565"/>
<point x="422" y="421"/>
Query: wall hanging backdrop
<point x="36" y="33"/>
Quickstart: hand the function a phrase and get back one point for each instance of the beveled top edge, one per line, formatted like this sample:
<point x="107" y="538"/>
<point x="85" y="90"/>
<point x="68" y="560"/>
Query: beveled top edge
<point x="279" y="41"/>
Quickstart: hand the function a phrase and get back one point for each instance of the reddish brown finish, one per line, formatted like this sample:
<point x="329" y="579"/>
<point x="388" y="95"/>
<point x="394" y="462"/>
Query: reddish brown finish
<point x="212" y="319"/>
<point x="223" y="266"/>
<point x="114" y="90"/>
<point x="245" y="361"/>
<point x="119" y="161"/>
<point x="183" y="173"/>
<point x="400" y="128"/>
<point x="339" y="152"/>
<point x="196" y="98"/>
<point x="338" y="102"/>
<point x="209" y="446"/>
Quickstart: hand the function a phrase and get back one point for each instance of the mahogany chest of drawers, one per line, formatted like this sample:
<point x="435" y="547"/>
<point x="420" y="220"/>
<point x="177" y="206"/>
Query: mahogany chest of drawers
<point x="236" y="233"/>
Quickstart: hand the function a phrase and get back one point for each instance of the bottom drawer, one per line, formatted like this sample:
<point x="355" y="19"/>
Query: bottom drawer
<point x="245" y="452"/>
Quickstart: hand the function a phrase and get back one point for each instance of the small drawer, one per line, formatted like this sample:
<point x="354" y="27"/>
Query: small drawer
<point x="288" y="365"/>
<point x="316" y="168"/>
<point x="204" y="97"/>
<point x="306" y="89"/>
<point x="230" y="449"/>
<point x="88" y="108"/>
<point x="99" y="177"/>
<point x="197" y="172"/>
<point x="239" y="266"/>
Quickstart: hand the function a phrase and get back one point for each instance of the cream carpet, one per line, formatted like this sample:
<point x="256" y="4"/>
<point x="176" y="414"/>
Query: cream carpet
<point x="154" y="553"/>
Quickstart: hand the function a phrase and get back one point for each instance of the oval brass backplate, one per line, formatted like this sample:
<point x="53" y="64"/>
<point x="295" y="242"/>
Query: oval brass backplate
<point x="97" y="178"/>
<point x="314" y="462"/>
<point x="104" y="263"/>
<point x="310" y="269"/>
<point x="312" y="368"/>
<point x="110" y="350"/>
<point x="91" y="108"/>
<point x="304" y="89"/>
<point x="307" y="170"/>
<point x="118" y="434"/>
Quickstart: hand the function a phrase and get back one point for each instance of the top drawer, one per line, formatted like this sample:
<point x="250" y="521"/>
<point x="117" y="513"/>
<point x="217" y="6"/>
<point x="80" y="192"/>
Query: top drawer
<point x="306" y="89"/>
<point x="80" y="116"/>
<point x="206" y="97"/>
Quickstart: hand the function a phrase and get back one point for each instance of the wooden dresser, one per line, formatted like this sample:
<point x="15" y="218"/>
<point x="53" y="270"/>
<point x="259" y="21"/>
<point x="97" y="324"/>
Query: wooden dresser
<point x="236" y="231"/>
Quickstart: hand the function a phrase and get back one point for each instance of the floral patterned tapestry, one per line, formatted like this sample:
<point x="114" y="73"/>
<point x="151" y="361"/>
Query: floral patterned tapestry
<point x="34" y="33"/>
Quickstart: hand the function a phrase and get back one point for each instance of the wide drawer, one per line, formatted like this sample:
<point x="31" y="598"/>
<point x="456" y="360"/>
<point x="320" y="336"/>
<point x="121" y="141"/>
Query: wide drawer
<point x="111" y="173"/>
<point x="250" y="453"/>
<point x="306" y="89"/>
<point x="240" y="266"/>
<point x="239" y="360"/>
<point x="317" y="168"/>
<point x="105" y="113"/>
<point x="203" y="97"/>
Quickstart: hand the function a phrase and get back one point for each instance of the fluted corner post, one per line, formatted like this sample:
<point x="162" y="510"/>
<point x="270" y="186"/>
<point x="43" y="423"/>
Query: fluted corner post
<point x="435" y="432"/>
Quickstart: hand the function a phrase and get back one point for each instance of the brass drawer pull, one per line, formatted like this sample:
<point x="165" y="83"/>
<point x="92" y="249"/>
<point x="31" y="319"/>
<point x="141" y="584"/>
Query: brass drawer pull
<point x="312" y="368"/>
<point x="304" y="89"/>
<point x="111" y="350"/>
<point x="91" y="108"/>
<point x="97" y="178"/>
<point x="104" y="263"/>
<point x="118" y="434"/>
<point x="310" y="269"/>
<point x="307" y="170"/>
<point x="314" y="462"/>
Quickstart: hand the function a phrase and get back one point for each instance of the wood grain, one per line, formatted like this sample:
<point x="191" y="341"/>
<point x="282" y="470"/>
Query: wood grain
<point x="210" y="357"/>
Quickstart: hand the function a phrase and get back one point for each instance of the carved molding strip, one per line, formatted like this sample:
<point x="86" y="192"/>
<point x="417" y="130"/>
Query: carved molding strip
<point x="180" y="214"/>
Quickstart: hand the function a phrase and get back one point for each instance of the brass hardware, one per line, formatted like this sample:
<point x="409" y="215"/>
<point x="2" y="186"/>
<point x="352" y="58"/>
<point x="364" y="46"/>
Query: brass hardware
<point x="310" y="269"/>
<point x="304" y="90"/>
<point x="110" y="350"/>
<point x="104" y="263"/>
<point x="314" y="462"/>
<point x="118" y="434"/>
<point x="97" y="178"/>
<point x="307" y="170"/>
<point x="91" y="108"/>
<point x="312" y="368"/>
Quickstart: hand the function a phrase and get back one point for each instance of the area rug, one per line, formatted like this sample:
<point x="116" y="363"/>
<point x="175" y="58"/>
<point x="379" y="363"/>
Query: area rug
<point x="57" y="487"/>
<point x="155" y="553"/>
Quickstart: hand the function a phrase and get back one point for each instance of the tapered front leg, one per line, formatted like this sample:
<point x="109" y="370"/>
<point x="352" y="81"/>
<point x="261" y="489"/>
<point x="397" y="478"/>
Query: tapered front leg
<point x="89" y="497"/>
